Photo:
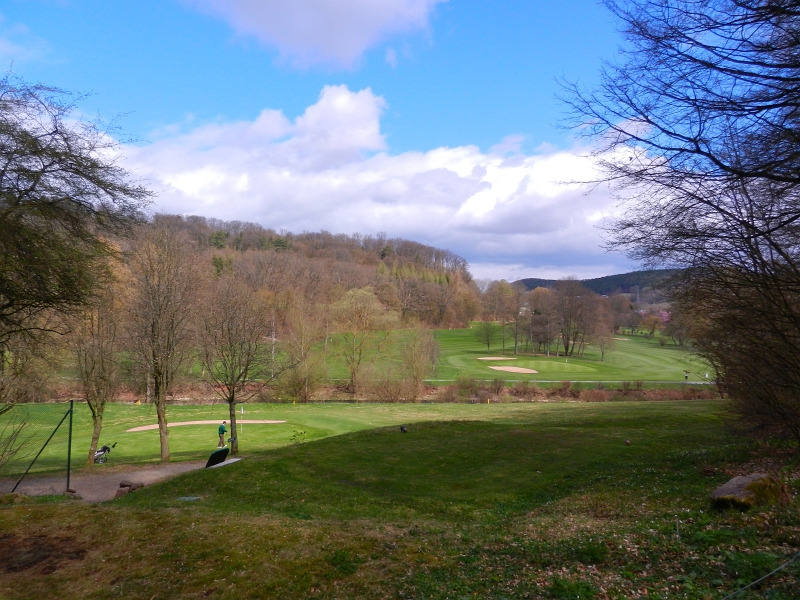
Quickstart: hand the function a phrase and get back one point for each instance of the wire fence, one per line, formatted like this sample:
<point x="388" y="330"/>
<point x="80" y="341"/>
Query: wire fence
<point x="35" y="449"/>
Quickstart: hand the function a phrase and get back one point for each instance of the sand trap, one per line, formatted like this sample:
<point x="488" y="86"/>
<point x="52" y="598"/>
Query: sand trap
<point x="497" y="358"/>
<point x="514" y="369"/>
<point x="217" y="422"/>
<point x="622" y="339"/>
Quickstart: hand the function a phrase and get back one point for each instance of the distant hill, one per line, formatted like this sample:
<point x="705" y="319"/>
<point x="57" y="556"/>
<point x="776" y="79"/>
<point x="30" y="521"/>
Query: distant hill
<point x="613" y="283"/>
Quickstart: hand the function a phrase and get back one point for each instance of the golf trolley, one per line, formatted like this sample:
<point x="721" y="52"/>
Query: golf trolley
<point x="101" y="455"/>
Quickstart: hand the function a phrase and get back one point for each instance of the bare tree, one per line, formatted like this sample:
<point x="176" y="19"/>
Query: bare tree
<point x="573" y="306"/>
<point x="487" y="331"/>
<point x="163" y="293"/>
<point x="235" y="327"/>
<point x="698" y="125"/>
<point x="543" y="323"/>
<point x="305" y="328"/>
<point x="420" y="356"/>
<point x="363" y="326"/>
<point x="96" y="343"/>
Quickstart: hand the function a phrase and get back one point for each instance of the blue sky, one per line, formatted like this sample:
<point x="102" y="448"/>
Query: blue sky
<point x="433" y="120"/>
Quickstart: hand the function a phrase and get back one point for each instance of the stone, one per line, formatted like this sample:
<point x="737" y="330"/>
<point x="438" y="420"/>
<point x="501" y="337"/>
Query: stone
<point x="747" y="491"/>
<point x="121" y="492"/>
<point x="136" y="486"/>
<point x="125" y="483"/>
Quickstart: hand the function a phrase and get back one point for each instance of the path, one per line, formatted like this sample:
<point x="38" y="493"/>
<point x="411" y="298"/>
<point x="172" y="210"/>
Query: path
<point x="100" y="484"/>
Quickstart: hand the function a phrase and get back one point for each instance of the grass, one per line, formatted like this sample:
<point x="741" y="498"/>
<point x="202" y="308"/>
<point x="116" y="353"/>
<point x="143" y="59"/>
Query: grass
<point x="634" y="358"/>
<point x="500" y="501"/>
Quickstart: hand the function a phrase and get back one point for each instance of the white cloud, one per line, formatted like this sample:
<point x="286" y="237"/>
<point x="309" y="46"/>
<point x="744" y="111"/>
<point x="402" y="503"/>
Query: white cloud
<point x="321" y="31"/>
<point x="19" y="45"/>
<point x="330" y="169"/>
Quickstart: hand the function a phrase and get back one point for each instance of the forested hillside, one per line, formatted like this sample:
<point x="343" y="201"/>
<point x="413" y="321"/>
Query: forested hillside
<point x="624" y="283"/>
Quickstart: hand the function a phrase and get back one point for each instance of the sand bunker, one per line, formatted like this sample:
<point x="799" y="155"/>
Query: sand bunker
<point x="622" y="339"/>
<point x="514" y="369"/>
<point x="217" y="422"/>
<point x="497" y="358"/>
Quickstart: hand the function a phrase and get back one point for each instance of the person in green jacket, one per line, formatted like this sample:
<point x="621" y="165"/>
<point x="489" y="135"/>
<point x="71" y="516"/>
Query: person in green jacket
<point x="222" y="431"/>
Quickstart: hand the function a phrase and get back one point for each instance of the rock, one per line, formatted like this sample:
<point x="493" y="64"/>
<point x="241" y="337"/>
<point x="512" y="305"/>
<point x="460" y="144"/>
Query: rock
<point x="125" y="483"/>
<point x="746" y="491"/>
<point x="121" y="492"/>
<point x="136" y="486"/>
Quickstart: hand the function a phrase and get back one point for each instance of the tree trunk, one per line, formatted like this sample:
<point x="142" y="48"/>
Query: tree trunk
<point x="98" y="425"/>
<point x="234" y="435"/>
<point x="163" y="432"/>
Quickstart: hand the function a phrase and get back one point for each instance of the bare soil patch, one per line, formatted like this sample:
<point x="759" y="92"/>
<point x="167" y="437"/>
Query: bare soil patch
<point x="39" y="553"/>
<point x="514" y="369"/>
<point x="181" y="423"/>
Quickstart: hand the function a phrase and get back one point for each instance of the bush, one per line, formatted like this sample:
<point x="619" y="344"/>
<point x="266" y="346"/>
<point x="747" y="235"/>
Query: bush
<point x="386" y="389"/>
<point x="595" y="395"/>
<point x="448" y="394"/>
<point x="498" y="387"/>
<point x="467" y="386"/>
<point x="523" y="389"/>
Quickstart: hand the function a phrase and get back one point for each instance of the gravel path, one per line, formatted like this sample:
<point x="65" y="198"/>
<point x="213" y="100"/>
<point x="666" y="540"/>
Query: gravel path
<point x="100" y="484"/>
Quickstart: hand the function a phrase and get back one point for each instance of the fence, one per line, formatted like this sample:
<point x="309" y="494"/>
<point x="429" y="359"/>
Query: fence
<point x="36" y="448"/>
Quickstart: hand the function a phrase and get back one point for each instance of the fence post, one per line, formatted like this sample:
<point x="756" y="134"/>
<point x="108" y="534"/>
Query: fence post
<point x="69" y="441"/>
<point x="38" y="454"/>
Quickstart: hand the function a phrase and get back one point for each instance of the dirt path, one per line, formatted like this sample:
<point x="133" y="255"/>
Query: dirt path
<point x="100" y="484"/>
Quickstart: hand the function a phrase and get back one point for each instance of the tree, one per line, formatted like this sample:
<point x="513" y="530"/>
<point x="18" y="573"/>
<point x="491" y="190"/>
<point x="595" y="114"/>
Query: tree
<point x="543" y="322"/>
<point x="234" y="329"/>
<point x="363" y="326"/>
<point x="698" y="126"/>
<point x="603" y="328"/>
<point x="574" y="310"/>
<point x="96" y="337"/>
<point x="420" y="356"/>
<point x="163" y="280"/>
<point x="305" y="327"/>
<point x="61" y="191"/>
<point x="487" y="331"/>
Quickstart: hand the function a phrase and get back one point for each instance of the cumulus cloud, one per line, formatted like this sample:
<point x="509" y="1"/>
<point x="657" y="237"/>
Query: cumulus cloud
<point x="321" y="31"/>
<point x="329" y="168"/>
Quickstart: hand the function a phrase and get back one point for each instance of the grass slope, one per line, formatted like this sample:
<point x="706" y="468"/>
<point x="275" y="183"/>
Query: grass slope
<point x="519" y="501"/>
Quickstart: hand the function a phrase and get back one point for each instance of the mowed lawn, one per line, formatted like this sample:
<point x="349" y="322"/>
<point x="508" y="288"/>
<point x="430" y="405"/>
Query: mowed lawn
<point x="633" y="358"/>
<point x="499" y="501"/>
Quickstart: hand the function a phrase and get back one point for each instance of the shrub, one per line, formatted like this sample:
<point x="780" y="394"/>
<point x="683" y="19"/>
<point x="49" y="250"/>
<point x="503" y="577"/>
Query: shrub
<point x="386" y="389"/>
<point x="467" y="386"/>
<point x="448" y="394"/>
<point x="498" y="386"/>
<point x="595" y="396"/>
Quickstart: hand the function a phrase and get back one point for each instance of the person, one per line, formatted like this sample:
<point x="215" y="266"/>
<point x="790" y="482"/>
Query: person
<point x="222" y="431"/>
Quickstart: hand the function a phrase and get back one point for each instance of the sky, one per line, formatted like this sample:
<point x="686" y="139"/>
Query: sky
<point x="433" y="120"/>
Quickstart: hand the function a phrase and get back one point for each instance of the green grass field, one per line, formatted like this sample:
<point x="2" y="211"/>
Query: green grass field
<point x="633" y="358"/>
<point x="475" y="501"/>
